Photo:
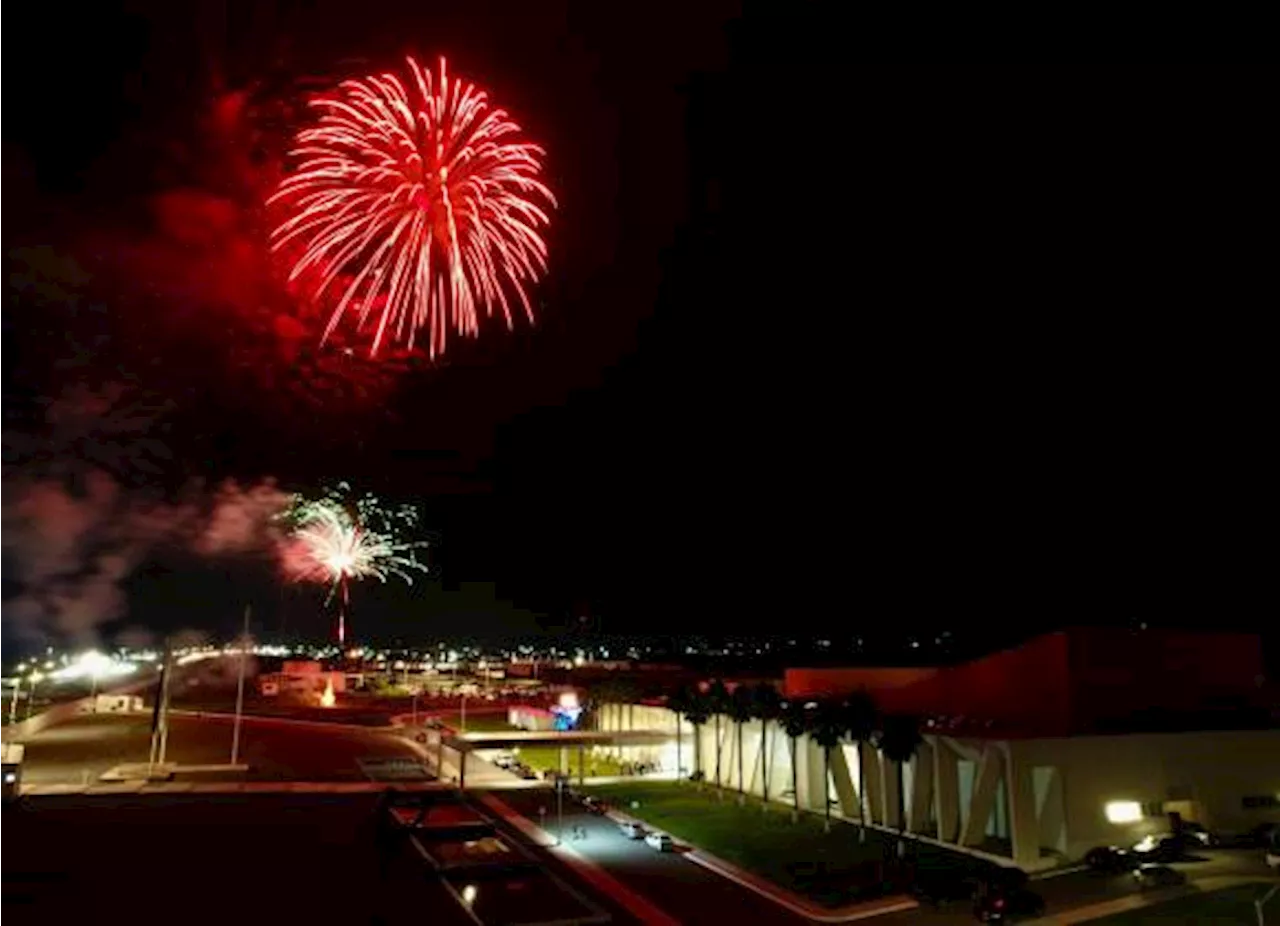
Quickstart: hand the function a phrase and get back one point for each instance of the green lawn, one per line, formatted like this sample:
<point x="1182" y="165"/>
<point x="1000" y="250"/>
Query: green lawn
<point x="541" y="758"/>
<point x="1226" y="907"/>
<point x="832" y="868"/>
<point x="495" y="722"/>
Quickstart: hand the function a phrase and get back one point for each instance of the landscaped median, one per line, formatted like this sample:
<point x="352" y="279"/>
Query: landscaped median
<point x="830" y="869"/>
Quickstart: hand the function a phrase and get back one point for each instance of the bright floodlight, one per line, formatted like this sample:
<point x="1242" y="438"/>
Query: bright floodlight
<point x="1123" y="811"/>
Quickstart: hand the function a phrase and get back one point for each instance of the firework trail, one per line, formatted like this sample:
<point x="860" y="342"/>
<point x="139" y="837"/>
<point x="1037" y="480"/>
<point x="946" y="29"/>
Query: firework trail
<point x="336" y="540"/>
<point x="416" y="206"/>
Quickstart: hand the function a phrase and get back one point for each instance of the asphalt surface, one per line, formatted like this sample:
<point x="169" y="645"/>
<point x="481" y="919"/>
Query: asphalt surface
<point x="681" y="888"/>
<point x="1082" y="888"/>
<point x="211" y="859"/>
<point x="80" y="750"/>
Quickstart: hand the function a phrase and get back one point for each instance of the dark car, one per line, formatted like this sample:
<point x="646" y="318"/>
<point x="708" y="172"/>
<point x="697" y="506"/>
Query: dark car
<point x="1164" y="847"/>
<point x="999" y="904"/>
<point x="1149" y="875"/>
<point x="1110" y="859"/>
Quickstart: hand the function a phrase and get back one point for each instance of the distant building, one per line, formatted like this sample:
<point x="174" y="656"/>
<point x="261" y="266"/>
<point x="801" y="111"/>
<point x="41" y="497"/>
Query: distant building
<point x="112" y="704"/>
<point x="301" y="677"/>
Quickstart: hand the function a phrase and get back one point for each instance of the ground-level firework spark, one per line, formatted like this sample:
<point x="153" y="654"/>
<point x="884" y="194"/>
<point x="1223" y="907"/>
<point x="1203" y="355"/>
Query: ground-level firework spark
<point x="337" y="539"/>
<point x="415" y="208"/>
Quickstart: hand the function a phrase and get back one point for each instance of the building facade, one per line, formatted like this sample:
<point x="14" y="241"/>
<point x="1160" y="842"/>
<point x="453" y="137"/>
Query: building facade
<point x="1031" y="756"/>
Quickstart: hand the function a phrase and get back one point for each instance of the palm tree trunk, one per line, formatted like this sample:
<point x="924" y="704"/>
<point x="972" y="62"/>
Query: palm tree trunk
<point x="697" y="752"/>
<point x="795" y="783"/>
<point x="862" y="796"/>
<point x="678" y="760"/>
<point x="826" y="789"/>
<point x="764" y="764"/>
<point x="742" y="793"/>
<point x="719" y="749"/>
<point x="902" y="815"/>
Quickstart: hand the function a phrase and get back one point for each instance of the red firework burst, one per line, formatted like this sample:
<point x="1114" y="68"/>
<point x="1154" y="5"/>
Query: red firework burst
<point x="420" y="202"/>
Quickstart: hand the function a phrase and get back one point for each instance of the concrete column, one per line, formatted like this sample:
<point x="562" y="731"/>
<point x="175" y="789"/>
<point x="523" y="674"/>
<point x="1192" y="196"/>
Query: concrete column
<point x="921" y="797"/>
<point x="872" y="775"/>
<point x="564" y="761"/>
<point x="986" y="780"/>
<point x="1024" y="827"/>
<point x="846" y="793"/>
<point x="1050" y="811"/>
<point x="892" y="815"/>
<point x="946" y="778"/>
<point x="582" y="765"/>
<point x="815" y="775"/>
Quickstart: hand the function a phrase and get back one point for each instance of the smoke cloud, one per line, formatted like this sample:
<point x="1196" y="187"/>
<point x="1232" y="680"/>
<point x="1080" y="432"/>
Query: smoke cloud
<point x="75" y="527"/>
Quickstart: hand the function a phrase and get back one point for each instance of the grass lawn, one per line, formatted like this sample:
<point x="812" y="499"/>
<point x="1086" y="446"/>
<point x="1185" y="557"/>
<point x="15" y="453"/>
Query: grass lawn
<point x="1226" y="907"/>
<point x="832" y="868"/>
<point x="494" y="722"/>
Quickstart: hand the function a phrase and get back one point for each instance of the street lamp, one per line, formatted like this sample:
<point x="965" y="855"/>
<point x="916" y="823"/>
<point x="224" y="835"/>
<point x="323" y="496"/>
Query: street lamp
<point x="13" y="704"/>
<point x="32" y="680"/>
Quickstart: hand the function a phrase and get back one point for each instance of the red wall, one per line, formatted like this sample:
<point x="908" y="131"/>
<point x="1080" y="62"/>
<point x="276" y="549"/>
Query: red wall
<point x="817" y="683"/>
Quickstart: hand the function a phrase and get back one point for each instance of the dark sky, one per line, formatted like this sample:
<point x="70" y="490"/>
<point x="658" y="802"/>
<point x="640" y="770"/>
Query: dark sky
<point x="828" y="342"/>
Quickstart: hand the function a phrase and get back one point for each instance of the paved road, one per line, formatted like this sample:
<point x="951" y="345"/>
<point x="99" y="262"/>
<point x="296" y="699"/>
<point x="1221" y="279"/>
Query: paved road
<point x="274" y="750"/>
<point x="212" y="859"/>
<point x="685" y="890"/>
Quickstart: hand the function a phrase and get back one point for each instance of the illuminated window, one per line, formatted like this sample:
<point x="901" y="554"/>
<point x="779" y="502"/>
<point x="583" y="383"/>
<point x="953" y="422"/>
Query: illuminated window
<point x="1123" y="811"/>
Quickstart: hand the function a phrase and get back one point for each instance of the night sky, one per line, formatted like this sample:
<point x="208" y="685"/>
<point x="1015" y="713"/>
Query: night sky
<point x="828" y="345"/>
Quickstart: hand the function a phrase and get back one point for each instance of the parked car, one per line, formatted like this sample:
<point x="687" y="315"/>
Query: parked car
<point x="632" y="830"/>
<point x="1110" y="859"/>
<point x="1201" y="835"/>
<point x="1163" y="847"/>
<point x="660" y="841"/>
<point x="999" y="904"/>
<point x="1152" y="875"/>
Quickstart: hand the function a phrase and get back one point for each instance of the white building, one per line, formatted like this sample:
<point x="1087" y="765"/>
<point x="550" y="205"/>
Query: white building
<point x="1034" y="755"/>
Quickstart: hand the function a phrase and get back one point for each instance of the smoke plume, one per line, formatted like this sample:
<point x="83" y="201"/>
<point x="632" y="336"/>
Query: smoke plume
<point x="77" y="521"/>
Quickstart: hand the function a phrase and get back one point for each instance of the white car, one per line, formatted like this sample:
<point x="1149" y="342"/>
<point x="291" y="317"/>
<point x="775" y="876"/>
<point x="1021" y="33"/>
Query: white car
<point x="632" y="830"/>
<point x="661" y="841"/>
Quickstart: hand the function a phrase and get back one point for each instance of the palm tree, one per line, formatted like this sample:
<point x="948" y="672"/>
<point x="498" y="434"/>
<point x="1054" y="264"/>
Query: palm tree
<point x="828" y="728"/>
<point x="698" y="712"/>
<point x="679" y="702"/>
<point x="742" y="707"/>
<point x="795" y="722"/>
<point x="768" y="707"/>
<point x="718" y="703"/>
<point x="860" y="724"/>
<point x="899" y="740"/>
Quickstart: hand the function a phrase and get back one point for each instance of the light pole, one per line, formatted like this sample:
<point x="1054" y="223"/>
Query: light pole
<point x="244" y="646"/>
<point x="31" y="691"/>
<point x="13" y="704"/>
<point x="559" y="810"/>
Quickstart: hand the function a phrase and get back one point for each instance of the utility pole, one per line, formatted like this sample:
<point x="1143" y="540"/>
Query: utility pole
<point x="13" y="704"/>
<point x="164" y="710"/>
<point x="559" y="810"/>
<point x="161" y="687"/>
<point x="244" y="646"/>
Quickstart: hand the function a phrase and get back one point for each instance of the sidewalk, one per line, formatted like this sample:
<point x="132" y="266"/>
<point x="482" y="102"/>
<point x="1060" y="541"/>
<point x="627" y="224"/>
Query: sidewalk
<point x="1146" y="899"/>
